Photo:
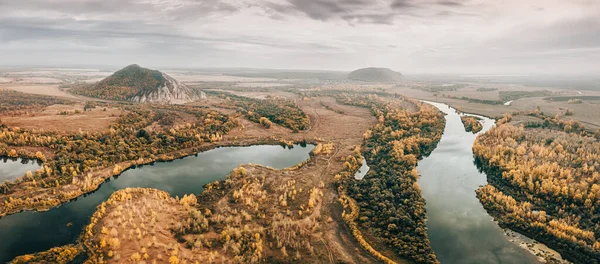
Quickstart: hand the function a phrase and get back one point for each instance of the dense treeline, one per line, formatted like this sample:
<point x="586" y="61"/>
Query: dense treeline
<point x="136" y="137"/>
<point x="351" y="210"/>
<point x="471" y="124"/>
<point x="389" y="198"/>
<point x="477" y="100"/>
<point x="514" y="95"/>
<point x="61" y="255"/>
<point x="436" y="88"/>
<point x="123" y="84"/>
<point x="555" y="123"/>
<point x="15" y="103"/>
<point x="575" y="101"/>
<point x="545" y="182"/>
<point x="568" y="98"/>
<point x="374" y="100"/>
<point x="328" y="107"/>
<point x="387" y="203"/>
<point x="487" y="89"/>
<point x="279" y="111"/>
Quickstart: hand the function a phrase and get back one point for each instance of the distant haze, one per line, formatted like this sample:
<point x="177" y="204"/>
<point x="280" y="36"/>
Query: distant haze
<point x="410" y="36"/>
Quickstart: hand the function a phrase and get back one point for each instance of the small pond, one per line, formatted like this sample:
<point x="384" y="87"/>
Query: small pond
<point x="11" y="168"/>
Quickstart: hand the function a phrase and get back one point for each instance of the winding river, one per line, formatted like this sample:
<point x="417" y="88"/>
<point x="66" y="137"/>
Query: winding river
<point x="459" y="228"/>
<point x="28" y="231"/>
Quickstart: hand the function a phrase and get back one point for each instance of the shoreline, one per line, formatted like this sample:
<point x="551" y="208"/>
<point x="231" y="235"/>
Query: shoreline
<point x="544" y="253"/>
<point x="80" y="242"/>
<point x="99" y="177"/>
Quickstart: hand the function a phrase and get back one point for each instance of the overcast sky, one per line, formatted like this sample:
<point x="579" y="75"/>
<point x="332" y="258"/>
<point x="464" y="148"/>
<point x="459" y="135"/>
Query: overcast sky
<point x="411" y="36"/>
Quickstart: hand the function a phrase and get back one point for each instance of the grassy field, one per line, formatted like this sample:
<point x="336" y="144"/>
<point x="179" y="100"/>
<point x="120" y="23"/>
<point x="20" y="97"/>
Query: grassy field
<point x="584" y="112"/>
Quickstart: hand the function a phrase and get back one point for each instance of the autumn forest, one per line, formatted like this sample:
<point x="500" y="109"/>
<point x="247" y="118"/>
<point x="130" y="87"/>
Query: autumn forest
<point x="542" y="174"/>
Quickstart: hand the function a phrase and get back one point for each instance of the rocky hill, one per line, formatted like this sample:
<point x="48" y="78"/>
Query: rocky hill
<point x="375" y="75"/>
<point x="137" y="84"/>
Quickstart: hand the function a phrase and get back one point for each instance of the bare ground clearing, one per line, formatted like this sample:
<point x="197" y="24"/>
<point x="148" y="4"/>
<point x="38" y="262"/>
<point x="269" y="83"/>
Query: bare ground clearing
<point x="43" y="89"/>
<point x="66" y="118"/>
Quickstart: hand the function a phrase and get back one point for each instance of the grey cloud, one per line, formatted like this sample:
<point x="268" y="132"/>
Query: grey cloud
<point x="352" y="11"/>
<point x="100" y="33"/>
<point x="77" y="6"/>
<point x="566" y="46"/>
<point x="401" y="4"/>
<point x="325" y="9"/>
<point x="423" y="4"/>
<point x="278" y="11"/>
<point x="447" y="13"/>
<point x="14" y="29"/>
<point x="583" y="33"/>
<point x="358" y="11"/>
<point x="450" y="3"/>
<point x="196" y="9"/>
<point x="179" y="10"/>
<point x="370" y="19"/>
<point x="302" y="33"/>
<point x="563" y="35"/>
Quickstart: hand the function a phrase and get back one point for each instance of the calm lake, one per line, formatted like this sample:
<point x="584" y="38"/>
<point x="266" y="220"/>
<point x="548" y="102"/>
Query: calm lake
<point x="10" y="169"/>
<point x="459" y="228"/>
<point x="28" y="231"/>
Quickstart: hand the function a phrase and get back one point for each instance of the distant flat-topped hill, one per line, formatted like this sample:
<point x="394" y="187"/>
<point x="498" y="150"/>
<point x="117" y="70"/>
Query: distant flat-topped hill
<point x="137" y="84"/>
<point x="375" y="75"/>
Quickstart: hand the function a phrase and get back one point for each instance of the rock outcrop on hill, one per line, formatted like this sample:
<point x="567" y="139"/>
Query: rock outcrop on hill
<point x="137" y="84"/>
<point x="375" y="75"/>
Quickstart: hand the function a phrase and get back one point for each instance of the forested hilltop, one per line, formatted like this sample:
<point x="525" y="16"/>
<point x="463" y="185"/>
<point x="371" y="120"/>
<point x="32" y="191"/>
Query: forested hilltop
<point x="134" y="83"/>
<point x="375" y="75"/>
<point x="124" y="84"/>
<point x="544" y="181"/>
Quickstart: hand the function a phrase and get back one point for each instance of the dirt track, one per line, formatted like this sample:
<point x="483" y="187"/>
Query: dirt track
<point x="345" y="131"/>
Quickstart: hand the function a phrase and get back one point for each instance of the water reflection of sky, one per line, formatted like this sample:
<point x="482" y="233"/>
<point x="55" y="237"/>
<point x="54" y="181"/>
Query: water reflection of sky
<point x="10" y="169"/>
<point x="459" y="228"/>
<point x="28" y="232"/>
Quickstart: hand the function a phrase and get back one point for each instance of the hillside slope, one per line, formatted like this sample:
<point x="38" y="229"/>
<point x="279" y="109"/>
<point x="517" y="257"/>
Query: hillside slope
<point x="375" y="75"/>
<point x="137" y="84"/>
